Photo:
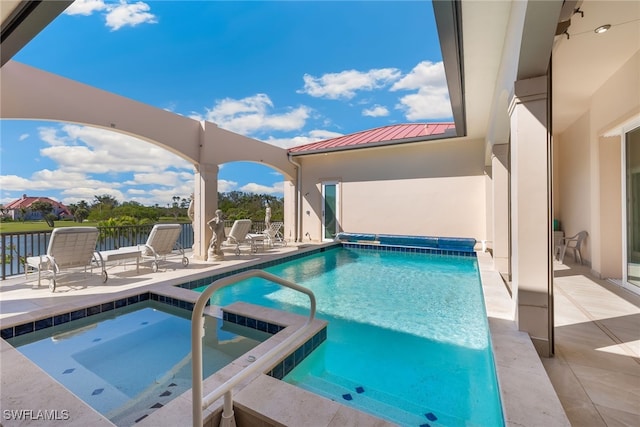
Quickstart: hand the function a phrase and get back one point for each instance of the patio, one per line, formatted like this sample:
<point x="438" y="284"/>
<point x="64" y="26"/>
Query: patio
<point x="596" y="368"/>
<point x="595" y="371"/>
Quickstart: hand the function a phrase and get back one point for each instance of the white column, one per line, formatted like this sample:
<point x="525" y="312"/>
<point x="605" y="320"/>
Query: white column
<point x="205" y="204"/>
<point x="500" y="192"/>
<point x="531" y="237"/>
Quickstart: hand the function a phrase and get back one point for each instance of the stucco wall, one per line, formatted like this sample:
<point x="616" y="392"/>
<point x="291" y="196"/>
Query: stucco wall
<point x="435" y="188"/>
<point x="589" y="169"/>
<point x="574" y="180"/>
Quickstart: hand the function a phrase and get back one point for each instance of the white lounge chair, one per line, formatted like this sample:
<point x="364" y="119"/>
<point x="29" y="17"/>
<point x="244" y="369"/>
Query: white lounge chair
<point x="162" y="241"/>
<point x="239" y="235"/>
<point x="69" y="247"/>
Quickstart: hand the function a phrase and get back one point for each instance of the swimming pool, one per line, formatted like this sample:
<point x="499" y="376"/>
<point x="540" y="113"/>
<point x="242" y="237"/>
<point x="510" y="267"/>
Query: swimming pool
<point x="407" y="338"/>
<point x="130" y="361"/>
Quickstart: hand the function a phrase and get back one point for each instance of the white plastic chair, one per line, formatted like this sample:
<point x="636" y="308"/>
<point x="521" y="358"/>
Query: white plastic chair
<point x="572" y="243"/>
<point x="69" y="247"/>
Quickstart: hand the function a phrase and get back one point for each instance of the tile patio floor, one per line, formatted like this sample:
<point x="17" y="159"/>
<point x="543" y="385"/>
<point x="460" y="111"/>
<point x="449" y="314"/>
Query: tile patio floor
<point x="595" y="372"/>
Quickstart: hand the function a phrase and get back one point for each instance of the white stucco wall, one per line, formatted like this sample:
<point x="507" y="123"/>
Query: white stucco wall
<point x="436" y="188"/>
<point x="589" y="170"/>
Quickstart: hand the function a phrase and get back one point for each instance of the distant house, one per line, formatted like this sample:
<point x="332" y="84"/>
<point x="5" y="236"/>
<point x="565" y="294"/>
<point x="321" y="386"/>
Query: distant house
<point x="22" y="206"/>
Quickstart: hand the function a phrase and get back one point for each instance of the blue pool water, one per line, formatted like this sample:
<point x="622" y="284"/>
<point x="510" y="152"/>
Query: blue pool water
<point x="131" y="361"/>
<point x="407" y="336"/>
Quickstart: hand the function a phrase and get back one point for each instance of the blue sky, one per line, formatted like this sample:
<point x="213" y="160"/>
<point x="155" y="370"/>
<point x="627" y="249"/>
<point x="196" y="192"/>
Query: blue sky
<point x="286" y="73"/>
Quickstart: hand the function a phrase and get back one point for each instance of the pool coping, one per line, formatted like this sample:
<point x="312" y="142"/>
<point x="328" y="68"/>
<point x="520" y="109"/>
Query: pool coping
<point x="516" y="360"/>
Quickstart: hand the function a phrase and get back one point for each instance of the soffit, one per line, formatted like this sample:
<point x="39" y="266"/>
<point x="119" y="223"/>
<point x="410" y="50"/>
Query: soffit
<point x="484" y="26"/>
<point x="584" y="61"/>
<point x="23" y="20"/>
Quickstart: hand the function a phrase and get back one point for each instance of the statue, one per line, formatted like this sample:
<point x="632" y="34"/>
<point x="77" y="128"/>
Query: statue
<point x="191" y="209"/>
<point x="216" y="224"/>
<point x="267" y="218"/>
<point x="191" y="213"/>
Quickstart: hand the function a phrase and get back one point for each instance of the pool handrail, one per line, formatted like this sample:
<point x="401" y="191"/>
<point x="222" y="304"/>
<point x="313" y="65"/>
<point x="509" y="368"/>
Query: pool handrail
<point x="200" y="403"/>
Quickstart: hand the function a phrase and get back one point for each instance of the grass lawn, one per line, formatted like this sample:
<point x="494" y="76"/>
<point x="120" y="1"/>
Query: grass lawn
<point x="19" y="226"/>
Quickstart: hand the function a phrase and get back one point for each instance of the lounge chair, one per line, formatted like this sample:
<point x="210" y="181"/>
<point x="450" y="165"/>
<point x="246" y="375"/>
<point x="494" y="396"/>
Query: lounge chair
<point x="274" y="235"/>
<point x="69" y="247"/>
<point x="162" y="241"/>
<point x="239" y="235"/>
<point x="572" y="243"/>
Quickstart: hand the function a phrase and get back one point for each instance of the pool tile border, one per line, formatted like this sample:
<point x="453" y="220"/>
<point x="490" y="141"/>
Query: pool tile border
<point x="279" y="371"/>
<point x="408" y="249"/>
<point x="59" y="319"/>
<point x="193" y="284"/>
<point x="291" y="360"/>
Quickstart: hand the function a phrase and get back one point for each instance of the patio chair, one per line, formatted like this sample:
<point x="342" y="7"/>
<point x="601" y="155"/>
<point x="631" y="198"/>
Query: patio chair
<point x="162" y="241"/>
<point x="274" y="235"/>
<point x="572" y="243"/>
<point x="69" y="247"/>
<point x="239" y="235"/>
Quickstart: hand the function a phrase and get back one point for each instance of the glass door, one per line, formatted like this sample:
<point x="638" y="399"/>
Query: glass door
<point x="632" y="156"/>
<point x="330" y="210"/>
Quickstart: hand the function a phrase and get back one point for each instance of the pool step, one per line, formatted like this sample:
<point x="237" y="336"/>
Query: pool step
<point x="376" y="402"/>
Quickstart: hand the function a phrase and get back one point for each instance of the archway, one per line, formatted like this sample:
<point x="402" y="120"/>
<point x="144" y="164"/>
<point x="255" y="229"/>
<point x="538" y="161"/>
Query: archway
<point x="30" y="93"/>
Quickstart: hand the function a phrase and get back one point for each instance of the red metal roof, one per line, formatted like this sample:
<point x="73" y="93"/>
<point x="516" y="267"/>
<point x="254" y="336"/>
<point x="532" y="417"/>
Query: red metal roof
<point x="26" y="202"/>
<point x="391" y="134"/>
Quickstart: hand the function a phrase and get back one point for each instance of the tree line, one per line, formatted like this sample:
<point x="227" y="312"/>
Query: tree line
<point x="107" y="209"/>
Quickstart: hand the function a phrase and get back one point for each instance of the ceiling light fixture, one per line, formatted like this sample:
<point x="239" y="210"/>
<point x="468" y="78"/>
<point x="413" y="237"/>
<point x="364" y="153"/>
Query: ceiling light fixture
<point x="602" y="29"/>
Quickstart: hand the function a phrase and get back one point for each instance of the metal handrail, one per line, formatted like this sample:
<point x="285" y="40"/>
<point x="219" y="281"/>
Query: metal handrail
<point x="197" y="333"/>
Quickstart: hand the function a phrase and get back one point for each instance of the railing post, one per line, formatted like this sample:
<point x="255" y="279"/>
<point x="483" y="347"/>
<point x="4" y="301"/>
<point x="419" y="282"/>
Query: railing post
<point x="197" y="332"/>
<point x="227" y="411"/>
<point x="4" y="258"/>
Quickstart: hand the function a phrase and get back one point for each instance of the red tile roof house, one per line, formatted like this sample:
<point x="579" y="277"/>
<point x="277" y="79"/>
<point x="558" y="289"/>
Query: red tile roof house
<point x="14" y="209"/>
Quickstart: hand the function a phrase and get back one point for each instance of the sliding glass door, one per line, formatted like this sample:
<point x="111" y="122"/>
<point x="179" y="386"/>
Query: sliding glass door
<point x="330" y="210"/>
<point x="632" y="160"/>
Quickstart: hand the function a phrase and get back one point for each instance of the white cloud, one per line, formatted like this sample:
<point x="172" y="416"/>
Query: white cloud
<point x="312" y="136"/>
<point x="432" y="99"/>
<point x="375" y="111"/>
<point x="85" y="7"/>
<point x="87" y="193"/>
<point x="117" y="15"/>
<point x="23" y="137"/>
<point x="426" y="104"/>
<point x="346" y="83"/>
<point x="81" y="152"/>
<point x="425" y="74"/>
<point x="131" y="15"/>
<point x="17" y="183"/>
<point x="47" y="180"/>
<point x="82" y="148"/>
<point x="252" y="187"/>
<point x="164" y="178"/>
<point x="251" y="114"/>
<point x="225" y="186"/>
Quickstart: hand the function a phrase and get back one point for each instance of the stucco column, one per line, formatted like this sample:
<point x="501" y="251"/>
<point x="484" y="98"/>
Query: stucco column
<point x="205" y="204"/>
<point x="531" y="238"/>
<point x="500" y="192"/>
